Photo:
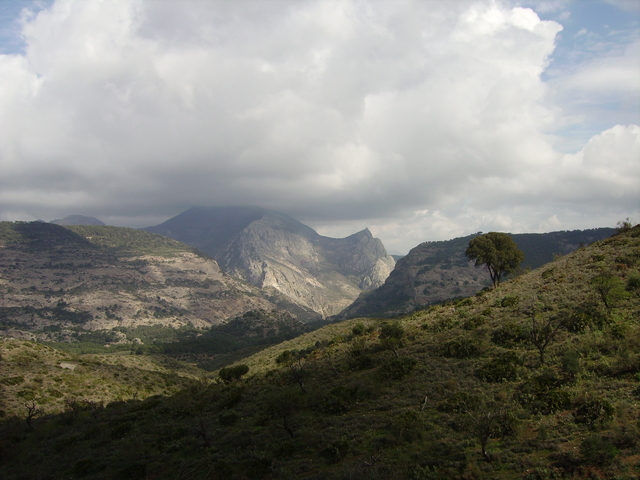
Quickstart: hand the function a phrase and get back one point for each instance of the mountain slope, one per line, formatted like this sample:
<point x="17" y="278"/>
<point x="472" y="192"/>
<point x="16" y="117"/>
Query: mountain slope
<point x="59" y="283"/>
<point x="436" y="271"/>
<point x="279" y="254"/>
<point x="459" y="391"/>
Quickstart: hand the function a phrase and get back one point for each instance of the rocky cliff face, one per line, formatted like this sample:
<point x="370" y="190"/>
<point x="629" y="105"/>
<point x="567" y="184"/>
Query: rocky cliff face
<point x="279" y="254"/>
<point x="434" y="272"/>
<point x="55" y="282"/>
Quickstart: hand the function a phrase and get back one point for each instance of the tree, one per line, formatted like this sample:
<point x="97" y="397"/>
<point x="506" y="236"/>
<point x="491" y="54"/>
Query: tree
<point x="231" y="374"/>
<point x="498" y="252"/>
<point x="543" y="332"/>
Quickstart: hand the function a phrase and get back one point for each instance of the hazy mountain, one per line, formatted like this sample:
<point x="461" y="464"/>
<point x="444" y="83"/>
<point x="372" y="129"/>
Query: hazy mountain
<point x="77" y="220"/>
<point x="436" y="271"/>
<point x="279" y="254"/>
<point x="58" y="283"/>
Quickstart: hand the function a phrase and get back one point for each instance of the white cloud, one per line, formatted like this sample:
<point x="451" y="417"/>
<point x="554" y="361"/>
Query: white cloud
<point x="421" y="120"/>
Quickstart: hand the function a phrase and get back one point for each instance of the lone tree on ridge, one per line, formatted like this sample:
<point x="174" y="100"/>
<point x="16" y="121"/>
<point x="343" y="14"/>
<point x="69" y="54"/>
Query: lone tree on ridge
<point x="498" y="252"/>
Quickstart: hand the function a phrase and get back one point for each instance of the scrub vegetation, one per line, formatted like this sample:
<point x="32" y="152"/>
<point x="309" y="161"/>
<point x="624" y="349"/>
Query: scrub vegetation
<point x="537" y="378"/>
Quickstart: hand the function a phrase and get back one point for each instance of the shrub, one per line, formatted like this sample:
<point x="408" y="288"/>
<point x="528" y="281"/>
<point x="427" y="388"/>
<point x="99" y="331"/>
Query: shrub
<point x="473" y="323"/>
<point x="459" y="402"/>
<point x="610" y="288"/>
<point x="596" y="450"/>
<point x="231" y="374"/>
<point x="509" y="335"/>
<point x="589" y="412"/>
<point x="510" y="301"/>
<point x="585" y="317"/>
<point x="503" y="368"/>
<point x="633" y="283"/>
<point x="398" y="368"/>
<point x="358" y="329"/>
<point x="461" y="348"/>
<point x="361" y="362"/>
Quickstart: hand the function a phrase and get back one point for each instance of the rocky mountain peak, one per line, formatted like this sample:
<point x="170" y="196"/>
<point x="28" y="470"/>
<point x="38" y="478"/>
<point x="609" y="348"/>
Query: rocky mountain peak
<point x="276" y="252"/>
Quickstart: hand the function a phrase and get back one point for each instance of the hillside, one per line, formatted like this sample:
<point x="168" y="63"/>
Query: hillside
<point x="93" y="283"/>
<point x="536" y="379"/>
<point x="434" y="272"/>
<point x="279" y="254"/>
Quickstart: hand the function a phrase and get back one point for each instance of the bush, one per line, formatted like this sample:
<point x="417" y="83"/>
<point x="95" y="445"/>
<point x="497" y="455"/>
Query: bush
<point x="461" y="348"/>
<point x="231" y="374"/>
<point x="589" y="412"/>
<point x="633" y="283"/>
<point x="358" y="329"/>
<point x="503" y="368"/>
<point x="398" y="368"/>
<point x="509" y="335"/>
<point x="473" y="323"/>
<point x="596" y="450"/>
<point x="541" y="394"/>
<point x="510" y="301"/>
<point x="459" y="402"/>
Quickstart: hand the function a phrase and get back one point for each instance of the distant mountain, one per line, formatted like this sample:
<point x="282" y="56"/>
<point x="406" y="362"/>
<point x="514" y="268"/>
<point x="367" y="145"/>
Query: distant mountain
<point x="77" y="220"/>
<point x="281" y="255"/>
<point x="60" y="283"/>
<point x="436" y="271"/>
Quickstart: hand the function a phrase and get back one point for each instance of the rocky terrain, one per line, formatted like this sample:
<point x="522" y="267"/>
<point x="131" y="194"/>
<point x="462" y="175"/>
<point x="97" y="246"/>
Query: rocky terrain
<point x="56" y="282"/>
<point x="279" y="254"/>
<point x="434" y="272"/>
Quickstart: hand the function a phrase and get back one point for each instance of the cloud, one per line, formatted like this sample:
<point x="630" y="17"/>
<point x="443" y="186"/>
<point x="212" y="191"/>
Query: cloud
<point x="417" y="119"/>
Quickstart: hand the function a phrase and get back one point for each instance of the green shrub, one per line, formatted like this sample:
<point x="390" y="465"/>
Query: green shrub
<point x="231" y="374"/>
<point x="473" y="323"/>
<point x="461" y="348"/>
<point x="590" y="412"/>
<point x="398" y="368"/>
<point x="599" y="451"/>
<point x="633" y="283"/>
<point x="459" y="402"/>
<point x="12" y="380"/>
<point x="358" y="329"/>
<point x="502" y="368"/>
<point x="509" y="335"/>
<point x="570" y="363"/>
<point x="510" y="301"/>
<point x="361" y="362"/>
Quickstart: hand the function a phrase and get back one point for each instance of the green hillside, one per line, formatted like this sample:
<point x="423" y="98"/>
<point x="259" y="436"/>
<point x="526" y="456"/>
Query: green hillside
<point x="125" y="242"/>
<point x="536" y="379"/>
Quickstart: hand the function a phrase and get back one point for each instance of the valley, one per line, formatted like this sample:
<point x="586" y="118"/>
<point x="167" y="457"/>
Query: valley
<point x="538" y="378"/>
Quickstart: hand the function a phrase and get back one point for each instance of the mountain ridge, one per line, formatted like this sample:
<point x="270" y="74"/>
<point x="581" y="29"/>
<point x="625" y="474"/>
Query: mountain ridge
<point x="437" y="271"/>
<point x="276" y="252"/>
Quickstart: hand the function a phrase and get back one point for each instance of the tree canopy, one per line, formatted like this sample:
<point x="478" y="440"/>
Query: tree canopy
<point x="498" y="252"/>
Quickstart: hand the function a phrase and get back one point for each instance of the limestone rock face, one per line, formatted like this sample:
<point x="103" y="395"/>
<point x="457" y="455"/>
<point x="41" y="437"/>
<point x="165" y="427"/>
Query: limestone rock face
<point x="275" y="252"/>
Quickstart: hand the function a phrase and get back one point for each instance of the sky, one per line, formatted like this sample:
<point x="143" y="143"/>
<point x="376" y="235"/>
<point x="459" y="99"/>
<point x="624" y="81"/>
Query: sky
<point x="420" y="120"/>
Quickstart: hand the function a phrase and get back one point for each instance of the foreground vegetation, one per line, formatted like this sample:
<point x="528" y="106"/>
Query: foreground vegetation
<point x="536" y="379"/>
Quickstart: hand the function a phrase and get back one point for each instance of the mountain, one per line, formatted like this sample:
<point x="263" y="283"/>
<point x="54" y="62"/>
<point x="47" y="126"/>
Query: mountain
<point x="66" y="283"/>
<point x="279" y="254"/>
<point x="436" y="271"/>
<point x="77" y="220"/>
<point x="538" y="378"/>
